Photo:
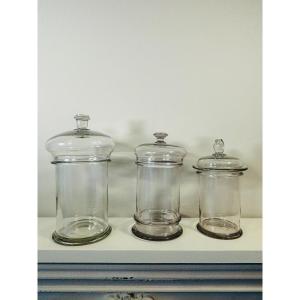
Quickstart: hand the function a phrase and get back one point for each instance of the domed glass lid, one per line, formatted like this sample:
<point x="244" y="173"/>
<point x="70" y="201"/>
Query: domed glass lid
<point x="159" y="152"/>
<point x="80" y="144"/>
<point x="219" y="160"/>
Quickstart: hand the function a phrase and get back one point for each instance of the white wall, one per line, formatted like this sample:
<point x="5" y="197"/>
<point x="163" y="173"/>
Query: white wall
<point x="191" y="68"/>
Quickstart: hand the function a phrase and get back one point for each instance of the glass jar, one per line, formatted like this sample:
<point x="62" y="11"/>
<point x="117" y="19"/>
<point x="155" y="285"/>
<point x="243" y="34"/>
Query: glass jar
<point x="81" y="160"/>
<point x="220" y="208"/>
<point x="157" y="214"/>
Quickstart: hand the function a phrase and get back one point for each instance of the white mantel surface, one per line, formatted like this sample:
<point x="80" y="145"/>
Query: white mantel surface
<point x="121" y="246"/>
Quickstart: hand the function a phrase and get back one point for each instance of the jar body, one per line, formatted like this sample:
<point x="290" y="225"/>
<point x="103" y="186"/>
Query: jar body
<point x="81" y="202"/>
<point x="219" y="207"/>
<point x="157" y="213"/>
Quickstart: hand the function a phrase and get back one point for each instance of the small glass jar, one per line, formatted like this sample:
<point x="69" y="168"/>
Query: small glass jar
<point x="81" y="160"/>
<point x="220" y="208"/>
<point x="157" y="214"/>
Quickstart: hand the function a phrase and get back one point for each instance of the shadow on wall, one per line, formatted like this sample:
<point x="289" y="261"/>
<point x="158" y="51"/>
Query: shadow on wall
<point x="122" y="172"/>
<point x="251" y="182"/>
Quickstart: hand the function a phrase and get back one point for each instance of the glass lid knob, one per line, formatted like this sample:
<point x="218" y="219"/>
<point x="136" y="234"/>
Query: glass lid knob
<point x="219" y="147"/>
<point x="160" y="137"/>
<point x="82" y="121"/>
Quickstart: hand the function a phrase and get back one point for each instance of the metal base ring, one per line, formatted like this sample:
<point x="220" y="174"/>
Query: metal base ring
<point x="156" y="238"/>
<point x="80" y="241"/>
<point x="214" y="235"/>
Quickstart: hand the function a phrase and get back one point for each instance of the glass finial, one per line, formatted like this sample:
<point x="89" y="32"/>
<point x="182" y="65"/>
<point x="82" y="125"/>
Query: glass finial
<point x="82" y="121"/>
<point x="219" y="147"/>
<point x="160" y="137"/>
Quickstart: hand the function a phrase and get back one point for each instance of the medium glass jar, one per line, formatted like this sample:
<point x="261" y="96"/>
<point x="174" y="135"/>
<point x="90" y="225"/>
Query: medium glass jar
<point x="220" y="208"/>
<point x="81" y="160"/>
<point x="157" y="214"/>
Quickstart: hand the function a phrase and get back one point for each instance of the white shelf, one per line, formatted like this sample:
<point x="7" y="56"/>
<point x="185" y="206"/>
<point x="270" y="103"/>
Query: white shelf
<point x="121" y="246"/>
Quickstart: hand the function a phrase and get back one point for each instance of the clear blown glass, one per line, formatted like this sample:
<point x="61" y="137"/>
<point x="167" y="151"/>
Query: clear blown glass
<point x="157" y="213"/>
<point x="81" y="160"/>
<point x="219" y="207"/>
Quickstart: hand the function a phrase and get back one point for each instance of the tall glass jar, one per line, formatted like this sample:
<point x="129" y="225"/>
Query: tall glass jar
<point x="157" y="213"/>
<point x="220" y="208"/>
<point x="81" y="160"/>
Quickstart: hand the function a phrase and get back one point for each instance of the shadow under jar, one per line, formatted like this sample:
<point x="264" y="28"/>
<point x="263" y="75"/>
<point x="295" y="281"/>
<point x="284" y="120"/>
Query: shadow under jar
<point x="81" y="160"/>
<point x="219" y="206"/>
<point x="157" y="213"/>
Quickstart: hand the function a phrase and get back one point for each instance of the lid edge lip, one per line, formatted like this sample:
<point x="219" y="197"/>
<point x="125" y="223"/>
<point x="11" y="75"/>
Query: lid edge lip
<point x="84" y="158"/>
<point x="222" y="169"/>
<point x="212" y="156"/>
<point x="159" y="162"/>
<point x="159" y="145"/>
<point x="54" y="162"/>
